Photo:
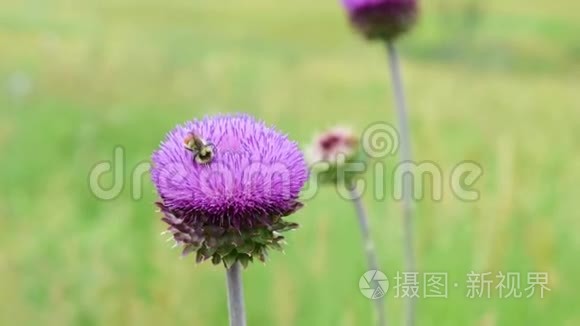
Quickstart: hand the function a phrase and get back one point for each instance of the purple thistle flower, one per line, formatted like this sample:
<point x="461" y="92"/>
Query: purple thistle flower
<point x="329" y="145"/>
<point x="225" y="184"/>
<point x="381" y="19"/>
<point x="331" y="152"/>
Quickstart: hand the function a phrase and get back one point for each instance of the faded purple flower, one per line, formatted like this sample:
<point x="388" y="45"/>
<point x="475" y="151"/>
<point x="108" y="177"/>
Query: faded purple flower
<point x="225" y="183"/>
<point x="331" y="144"/>
<point x="331" y="152"/>
<point x="381" y="19"/>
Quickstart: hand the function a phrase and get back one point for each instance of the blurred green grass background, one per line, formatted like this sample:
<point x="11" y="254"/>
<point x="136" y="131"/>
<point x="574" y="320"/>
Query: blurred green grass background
<point x="491" y="81"/>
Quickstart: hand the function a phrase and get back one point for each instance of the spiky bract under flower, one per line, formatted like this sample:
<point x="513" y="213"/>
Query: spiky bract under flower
<point x="230" y="207"/>
<point x="382" y="19"/>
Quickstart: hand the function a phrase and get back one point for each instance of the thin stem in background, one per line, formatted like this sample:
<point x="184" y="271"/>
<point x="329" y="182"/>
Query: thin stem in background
<point x="369" y="250"/>
<point x="405" y="146"/>
<point x="236" y="295"/>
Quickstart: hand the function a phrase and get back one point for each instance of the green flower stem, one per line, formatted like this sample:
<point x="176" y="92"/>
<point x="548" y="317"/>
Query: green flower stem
<point x="405" y="146"/>
<point x="236" y="295"/>
<point x="369" y="249"/>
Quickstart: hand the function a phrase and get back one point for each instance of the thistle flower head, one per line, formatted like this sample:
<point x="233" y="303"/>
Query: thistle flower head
<point x="381" y="19"/>
<point x="225" y="183"/>
<point x="334" y="148"/>
<point x="332" y="143"/>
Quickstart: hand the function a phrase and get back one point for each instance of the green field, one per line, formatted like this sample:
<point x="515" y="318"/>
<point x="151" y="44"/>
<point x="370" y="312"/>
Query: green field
<point x="496" y="82"/>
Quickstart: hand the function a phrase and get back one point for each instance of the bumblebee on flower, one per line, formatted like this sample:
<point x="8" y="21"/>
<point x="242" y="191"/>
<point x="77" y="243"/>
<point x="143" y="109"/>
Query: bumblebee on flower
<point x="215" y="202"/>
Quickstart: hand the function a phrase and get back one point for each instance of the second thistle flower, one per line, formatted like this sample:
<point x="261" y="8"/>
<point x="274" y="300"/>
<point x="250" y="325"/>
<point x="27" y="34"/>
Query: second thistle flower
<point x="381" y="19"/>
<point x="331" y="152"/>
